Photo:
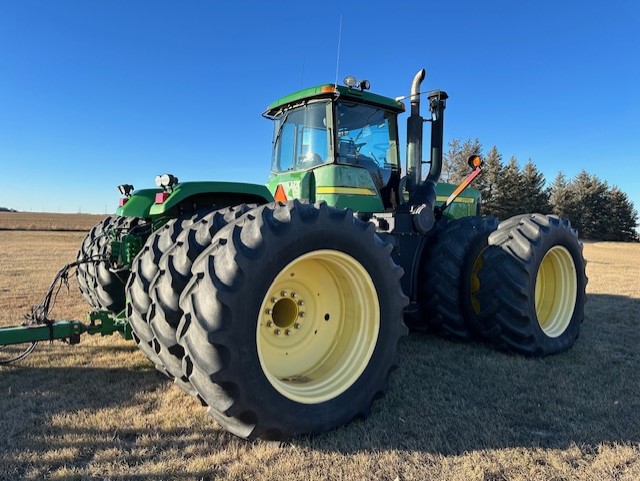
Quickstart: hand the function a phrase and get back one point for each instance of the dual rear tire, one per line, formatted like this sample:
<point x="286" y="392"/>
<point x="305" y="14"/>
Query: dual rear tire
<point x="283" y="319"/>
<point x="519" y="284"/>
<point x="532" y="286"/>
<point x="292" y="320"/>
<point x="100" y="284"/>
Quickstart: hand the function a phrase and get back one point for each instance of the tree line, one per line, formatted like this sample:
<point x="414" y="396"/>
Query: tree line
<point x="599" y="211"/>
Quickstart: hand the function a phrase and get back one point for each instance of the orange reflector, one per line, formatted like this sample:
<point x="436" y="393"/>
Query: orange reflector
<point x="280" y="195"/>
<point x="327" y="89"/>
<point x="475" y="161"/>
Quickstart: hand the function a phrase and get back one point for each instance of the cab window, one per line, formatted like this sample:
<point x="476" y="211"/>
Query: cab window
<point x="301" y="138"/>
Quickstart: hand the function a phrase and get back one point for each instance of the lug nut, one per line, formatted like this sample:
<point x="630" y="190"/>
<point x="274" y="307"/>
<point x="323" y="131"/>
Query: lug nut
<point x="269" y="311"/>
<point x="288" y="332"/>
<point x="269" y="323"/>
<point x="294" y="295"/>
<point x="277" y="332"/>
<point x="297" y="325"/>
<point x="301" y="302"/>
<point x="274" y="300"/>
<point x="301" y="314"/>
<point x="283" y="293"/>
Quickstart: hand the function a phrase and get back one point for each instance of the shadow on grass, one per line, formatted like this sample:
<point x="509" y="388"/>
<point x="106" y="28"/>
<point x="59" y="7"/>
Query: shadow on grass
<point x="446" y="398"/>
<point x="449" y="398"/>
<point x="80" y="418"/>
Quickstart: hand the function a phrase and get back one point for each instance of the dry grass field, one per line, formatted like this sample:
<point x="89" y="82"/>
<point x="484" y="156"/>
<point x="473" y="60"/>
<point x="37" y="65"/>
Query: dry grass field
<point x="99" y="410"/>
<point x="47" y="221"/>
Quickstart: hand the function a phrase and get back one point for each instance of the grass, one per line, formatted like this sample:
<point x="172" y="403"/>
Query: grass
<point x="100" y="411"/>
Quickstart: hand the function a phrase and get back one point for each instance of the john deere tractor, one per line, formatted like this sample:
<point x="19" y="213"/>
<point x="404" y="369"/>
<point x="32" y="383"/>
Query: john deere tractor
<point x="281" y="307"/>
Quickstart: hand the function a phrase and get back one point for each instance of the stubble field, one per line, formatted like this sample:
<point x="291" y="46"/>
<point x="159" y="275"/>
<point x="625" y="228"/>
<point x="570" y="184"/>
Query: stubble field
<point x="100" y="411"/>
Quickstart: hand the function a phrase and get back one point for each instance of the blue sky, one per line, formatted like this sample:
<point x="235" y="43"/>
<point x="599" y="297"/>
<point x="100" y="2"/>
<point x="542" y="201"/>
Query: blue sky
<point x="98" y="93"/>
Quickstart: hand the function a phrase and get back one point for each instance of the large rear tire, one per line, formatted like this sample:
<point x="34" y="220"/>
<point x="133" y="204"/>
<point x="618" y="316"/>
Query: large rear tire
<point x="102" y="287"/>
<point x="532" y="286"/>
<point x="292" y="320"/>
<point x="174" y="272"/>
<point x="451" y="281"/>
<point x="144" y="268"/>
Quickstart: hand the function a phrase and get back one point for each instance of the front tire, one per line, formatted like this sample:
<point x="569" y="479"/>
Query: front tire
<point x="292" y="320"/>
<point x="532" y="286"/>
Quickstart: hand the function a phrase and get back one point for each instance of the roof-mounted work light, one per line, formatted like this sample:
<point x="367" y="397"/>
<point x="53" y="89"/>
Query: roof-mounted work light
<point x="350" y="81"/>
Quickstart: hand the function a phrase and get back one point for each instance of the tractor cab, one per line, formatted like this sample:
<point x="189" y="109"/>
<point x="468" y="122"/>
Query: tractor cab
<point x="338" y="144"/>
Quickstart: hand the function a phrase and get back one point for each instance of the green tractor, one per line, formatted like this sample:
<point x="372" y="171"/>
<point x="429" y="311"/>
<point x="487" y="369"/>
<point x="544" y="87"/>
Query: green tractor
<point x="281" y="307"/>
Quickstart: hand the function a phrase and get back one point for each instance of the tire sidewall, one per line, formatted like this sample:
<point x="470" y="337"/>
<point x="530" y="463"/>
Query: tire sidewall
<point x="563" y="237"/>
<point x="279" y="251"/>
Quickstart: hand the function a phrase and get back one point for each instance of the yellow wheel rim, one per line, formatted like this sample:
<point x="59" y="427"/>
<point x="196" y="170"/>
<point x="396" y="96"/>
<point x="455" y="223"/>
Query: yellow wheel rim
<point x="318" y="326"/>
<point x="556" y="291"/>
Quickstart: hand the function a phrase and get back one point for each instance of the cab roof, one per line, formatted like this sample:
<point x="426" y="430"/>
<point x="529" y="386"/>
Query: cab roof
<point x="331" y="90"/>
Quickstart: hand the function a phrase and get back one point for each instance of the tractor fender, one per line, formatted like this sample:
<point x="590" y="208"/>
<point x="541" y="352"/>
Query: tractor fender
<point x="229" y="193"/>
<point x="139" y="204"/>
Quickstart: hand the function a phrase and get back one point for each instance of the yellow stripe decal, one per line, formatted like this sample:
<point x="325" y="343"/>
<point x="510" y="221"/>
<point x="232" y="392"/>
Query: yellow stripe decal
<point x="462" y="200"/>
<point x="345" y="190"/>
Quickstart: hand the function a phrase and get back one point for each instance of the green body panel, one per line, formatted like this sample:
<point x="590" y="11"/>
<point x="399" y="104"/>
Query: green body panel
<point x="329" y="90"/>
<point x="185" y="190"/>
<point x="296" y="185"/>
<point x="346" y="186"/>
<point x="139" y="204"/>
<point x="465" y="205"/>
<point x="339" y="186"/>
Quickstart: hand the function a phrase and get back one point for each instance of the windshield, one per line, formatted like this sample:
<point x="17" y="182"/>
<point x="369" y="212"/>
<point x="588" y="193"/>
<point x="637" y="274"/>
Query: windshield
<point x="367" y="138"/>
<point x="301" y="138"/>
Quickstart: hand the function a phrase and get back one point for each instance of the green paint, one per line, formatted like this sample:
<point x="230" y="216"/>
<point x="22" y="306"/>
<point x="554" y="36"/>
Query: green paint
<point x="345" y="186"/>
<point x="41" y="332"/>
<point x="338" y="91"/>
<point x="341" y="186"/>
<point x="223" y="193"/>
<point x="345" y="178"/>
<point x="139" y="204"/>
<point x="124" y="248"/>
<point x="296" y="185"/>
<point x="465" y="205"/>
<point x="98" y="322"/>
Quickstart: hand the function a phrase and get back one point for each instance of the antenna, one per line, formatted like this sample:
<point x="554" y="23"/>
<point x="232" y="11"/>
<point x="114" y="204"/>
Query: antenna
<point x="338" y="56"/>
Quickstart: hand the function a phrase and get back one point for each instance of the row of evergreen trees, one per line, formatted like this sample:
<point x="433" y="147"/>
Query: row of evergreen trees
<point x="597" y="210"/>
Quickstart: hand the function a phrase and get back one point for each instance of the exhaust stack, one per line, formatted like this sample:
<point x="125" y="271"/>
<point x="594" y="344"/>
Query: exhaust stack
<point x="437" y="104"/>
<point x="422" y="195"/>
<point x="414" y="136"/>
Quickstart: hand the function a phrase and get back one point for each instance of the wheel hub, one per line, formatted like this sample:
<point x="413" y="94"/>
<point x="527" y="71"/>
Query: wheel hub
<point x="285" y="316"/>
